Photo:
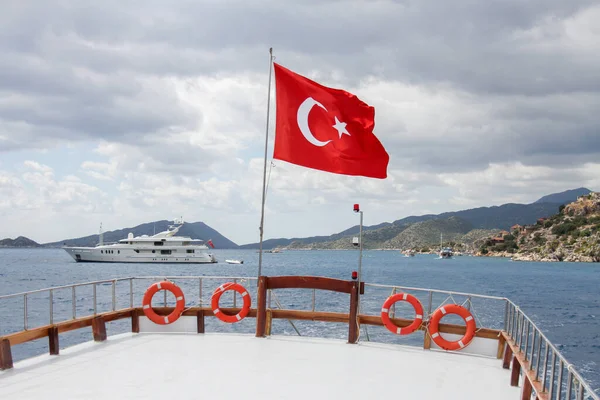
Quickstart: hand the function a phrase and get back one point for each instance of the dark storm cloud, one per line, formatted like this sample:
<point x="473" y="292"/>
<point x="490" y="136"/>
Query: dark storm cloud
<point x="81" y="69"/>
<point x="56" y="100"/>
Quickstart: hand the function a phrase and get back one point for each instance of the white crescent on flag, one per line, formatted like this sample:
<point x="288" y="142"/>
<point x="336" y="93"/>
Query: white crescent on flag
<point x="302" y="118"/>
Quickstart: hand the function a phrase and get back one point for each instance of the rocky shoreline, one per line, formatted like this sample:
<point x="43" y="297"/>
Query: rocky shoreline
<point x="534" y="257"/>
<point x="572" y="235"/>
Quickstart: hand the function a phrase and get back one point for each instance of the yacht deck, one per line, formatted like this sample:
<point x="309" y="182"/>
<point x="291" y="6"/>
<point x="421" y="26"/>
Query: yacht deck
<point x="235" y="366"/>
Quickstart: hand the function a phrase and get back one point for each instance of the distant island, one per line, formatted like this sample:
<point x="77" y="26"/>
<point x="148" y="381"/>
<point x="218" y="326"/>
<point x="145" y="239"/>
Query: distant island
<point x="573" y="234"/>
<point x="21" y="241"/>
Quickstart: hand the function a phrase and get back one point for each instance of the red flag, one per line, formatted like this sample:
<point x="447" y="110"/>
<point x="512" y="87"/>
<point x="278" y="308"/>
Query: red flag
<point x="210" y="243"/>
<point x="325" y="129"/>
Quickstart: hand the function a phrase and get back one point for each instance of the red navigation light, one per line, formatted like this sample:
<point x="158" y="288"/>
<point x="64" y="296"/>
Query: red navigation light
<point x="354" y="275"/>
<point x="356" y="208"/>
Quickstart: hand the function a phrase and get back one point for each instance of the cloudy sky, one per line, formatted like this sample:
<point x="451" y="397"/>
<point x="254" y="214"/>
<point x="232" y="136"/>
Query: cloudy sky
<point x="129" y="112"/>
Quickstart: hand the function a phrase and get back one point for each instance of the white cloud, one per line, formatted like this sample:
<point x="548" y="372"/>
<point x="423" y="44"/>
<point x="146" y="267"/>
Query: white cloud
<point x="476" y="104"/>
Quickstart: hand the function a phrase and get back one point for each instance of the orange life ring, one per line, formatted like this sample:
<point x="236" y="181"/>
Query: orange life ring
<point x="217" y="296"/>
<point x="147" y="303"/>
<point x="434" y="327"/>
<point x="385" y="313"/>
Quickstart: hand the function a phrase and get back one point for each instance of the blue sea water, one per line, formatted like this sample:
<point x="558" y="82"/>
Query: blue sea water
<point x="561" y="298"/>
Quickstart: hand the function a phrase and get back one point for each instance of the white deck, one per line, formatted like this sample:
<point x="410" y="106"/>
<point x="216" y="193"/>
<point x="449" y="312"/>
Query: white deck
<point x="226" y="366"/>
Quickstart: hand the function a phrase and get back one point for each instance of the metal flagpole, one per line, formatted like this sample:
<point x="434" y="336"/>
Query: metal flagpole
<point x="361" y="249"/>
<point x="360" y="244"/>
<point x="359" y="274"/>
<point x="262" y="211"/>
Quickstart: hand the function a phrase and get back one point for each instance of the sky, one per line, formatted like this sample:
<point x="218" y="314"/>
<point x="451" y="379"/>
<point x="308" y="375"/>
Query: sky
<point x="122" y="113"/>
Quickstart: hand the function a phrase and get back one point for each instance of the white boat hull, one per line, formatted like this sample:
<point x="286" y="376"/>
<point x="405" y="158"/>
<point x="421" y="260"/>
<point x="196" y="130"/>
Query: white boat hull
<point x="125" y="255"/>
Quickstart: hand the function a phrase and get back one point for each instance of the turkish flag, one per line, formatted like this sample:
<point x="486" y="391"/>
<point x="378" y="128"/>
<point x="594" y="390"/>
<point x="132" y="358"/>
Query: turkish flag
<point x="325" y="129"/>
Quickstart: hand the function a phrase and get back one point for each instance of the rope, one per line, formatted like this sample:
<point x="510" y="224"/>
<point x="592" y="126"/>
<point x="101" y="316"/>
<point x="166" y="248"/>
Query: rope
<point x="225" y="286"/>
<point x="278" y="304"/>
<point x="478" y="322"/>
<point x="269" y="179"/>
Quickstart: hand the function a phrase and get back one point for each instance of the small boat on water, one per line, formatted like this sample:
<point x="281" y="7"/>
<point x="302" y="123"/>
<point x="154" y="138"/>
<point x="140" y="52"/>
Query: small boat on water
<point x="446" y="252"/>
<point x="273" y="251"/>
<point x="234" y="261"/>
<point x="409" y="253"/>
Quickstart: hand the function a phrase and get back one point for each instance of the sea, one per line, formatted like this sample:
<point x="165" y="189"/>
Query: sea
<point x="562" y="299"/>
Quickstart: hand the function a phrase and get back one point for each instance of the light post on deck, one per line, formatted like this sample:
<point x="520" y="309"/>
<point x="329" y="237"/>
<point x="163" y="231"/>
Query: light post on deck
<point x="358" y="242"/>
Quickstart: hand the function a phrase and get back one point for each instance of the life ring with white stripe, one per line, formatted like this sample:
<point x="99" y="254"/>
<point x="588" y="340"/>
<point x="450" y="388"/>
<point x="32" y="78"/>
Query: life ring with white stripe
<point x="434" y="327"/>
<point x="147" y="303"/>
<point x="217" y="296"/>
<point x="385" y="313"/>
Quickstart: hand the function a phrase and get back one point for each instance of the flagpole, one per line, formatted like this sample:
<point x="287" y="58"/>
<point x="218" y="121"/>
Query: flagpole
<point x="262" y="211"/>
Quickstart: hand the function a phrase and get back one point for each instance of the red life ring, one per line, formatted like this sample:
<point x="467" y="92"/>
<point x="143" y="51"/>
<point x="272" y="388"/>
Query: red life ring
<point x="385" y="313"/>
<point x="434" y="327"/>
<point x="217" y="296"/>
<point x="147" y="303"/>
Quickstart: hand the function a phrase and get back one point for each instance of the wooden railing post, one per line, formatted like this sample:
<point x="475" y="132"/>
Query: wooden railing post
<point x="516" y="370"/>
<point x="269" y="323"/>
<point x="53" y="340"/>
<point x="261" y="308"/>
<point x="427" y="340"/>
<point x="135" y="321"/>
<point x="6" y="360"/>
<point x="501" y="345"/>
<point x="526" y="390"/>
<point x="99" y="329"/>
<point x="200" y="321"/>
<point x="353" y="326"/>
<point x="507" y="356"/>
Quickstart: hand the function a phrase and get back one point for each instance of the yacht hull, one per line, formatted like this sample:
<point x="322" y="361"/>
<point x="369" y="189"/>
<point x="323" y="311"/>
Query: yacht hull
<point x="92" y="254"/>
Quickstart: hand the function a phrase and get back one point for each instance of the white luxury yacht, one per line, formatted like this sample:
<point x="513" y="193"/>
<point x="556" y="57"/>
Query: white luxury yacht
<point x="163" y="247"/>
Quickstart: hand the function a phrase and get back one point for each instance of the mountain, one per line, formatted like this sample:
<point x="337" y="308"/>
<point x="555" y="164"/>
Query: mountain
<point x="481" y="218"/>
<point x="282" y="242"/>
<point x="421" y="236"/>
<point x="425" y="233"/>
<point x="495" y="217"/>
<point x="195" y="230"/>
<point x="21" y="241"/>
<point x="568" y="196"/>
<point x="573" y="234"/>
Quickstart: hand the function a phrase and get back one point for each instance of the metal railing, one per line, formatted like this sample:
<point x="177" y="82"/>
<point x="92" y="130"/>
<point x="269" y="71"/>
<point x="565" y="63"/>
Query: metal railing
<point x="559" y="380"/>
<point x="544" y="359"/>
<point x="73" y="287"/>
<point x="431" y="292"/>
<point x="113" y="303"/>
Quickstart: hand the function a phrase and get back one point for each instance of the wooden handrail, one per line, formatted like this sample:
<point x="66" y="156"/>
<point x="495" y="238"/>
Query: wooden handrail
<point x="65" y="326"/>
<point x="310" y="282"/>
<point x="519" y="363"/>
<point x="98" y="321"/>
<point x="307" y="282"/>
<point x="300" y="315"/>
